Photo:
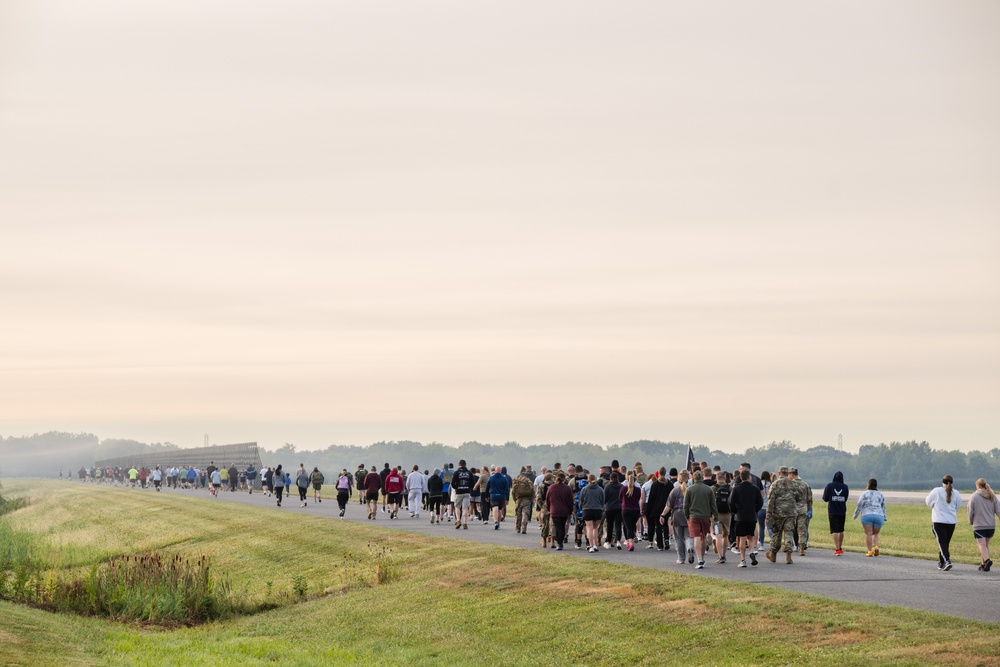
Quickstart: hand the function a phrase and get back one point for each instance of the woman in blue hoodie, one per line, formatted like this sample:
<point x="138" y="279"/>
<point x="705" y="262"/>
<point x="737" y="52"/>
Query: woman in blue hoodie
<point x="835" y="496"/>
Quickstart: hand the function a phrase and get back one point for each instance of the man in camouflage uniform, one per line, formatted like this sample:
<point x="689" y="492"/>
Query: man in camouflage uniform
<point x="543" y="510"/>
<point x="781" y="511"/>
<point x="803" y="510"/>
<point x="523" y="491"/>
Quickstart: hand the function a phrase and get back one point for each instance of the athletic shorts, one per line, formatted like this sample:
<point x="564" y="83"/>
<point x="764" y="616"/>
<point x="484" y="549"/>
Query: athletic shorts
<point x="317" y="486"/>
<point x="700" y="527"/>
<point x="875" y="520"/>
<point x="462" y="501"/>
<point x="395" y="498"/>
<point x="836" y="524"/>
<point x="592" y="515"/>
<point x="371" y="495"/>
<point x="744" y="528"/>
<point x="983" y="533"/>
<point x="722" y="526"/>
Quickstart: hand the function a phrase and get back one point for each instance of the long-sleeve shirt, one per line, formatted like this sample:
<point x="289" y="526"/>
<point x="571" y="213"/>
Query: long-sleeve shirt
<point x="983" y="511"/>
<point x="415" y="481"/>
<point x="630" y="503"/>
<point x="871" y="502"/>
<point x="941" y="510"/>
<point x="559" y="500"/>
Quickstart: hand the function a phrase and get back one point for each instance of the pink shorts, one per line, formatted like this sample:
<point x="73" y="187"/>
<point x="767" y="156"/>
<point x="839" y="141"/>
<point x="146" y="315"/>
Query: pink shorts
<point x="700" y="527"/>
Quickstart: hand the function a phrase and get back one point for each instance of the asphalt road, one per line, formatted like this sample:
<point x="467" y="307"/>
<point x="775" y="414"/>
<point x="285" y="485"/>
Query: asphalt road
<point x="964" y="591"/>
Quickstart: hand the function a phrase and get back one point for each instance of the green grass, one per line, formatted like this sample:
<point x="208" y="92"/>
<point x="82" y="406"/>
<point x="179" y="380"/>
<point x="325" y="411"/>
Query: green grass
<point x="452" y="603"/>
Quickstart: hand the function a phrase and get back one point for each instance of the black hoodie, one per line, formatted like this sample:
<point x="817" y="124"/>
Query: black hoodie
<point x="835" y="494"/>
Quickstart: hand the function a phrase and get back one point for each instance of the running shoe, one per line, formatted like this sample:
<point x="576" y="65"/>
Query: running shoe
<point x="743" y="563"/>
<point x="838" y="552"/>
<point x="875" y="551"/>
<point x="607" y="545"/>
<point x="496" y="525"/>
<point x="680" y="561"/>
<point x="987" y="565"/>
<point x="690" y="558"/>
<point x="869" y="554"/>
<point x="721" y="561"/>
<point x="700" y="565"/>
<point x="947" y="566"/>
<point x="753" y="558"/>
<point x="631" y="547"/>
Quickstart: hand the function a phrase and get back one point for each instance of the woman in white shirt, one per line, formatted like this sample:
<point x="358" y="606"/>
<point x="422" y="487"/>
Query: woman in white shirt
<point x="944" y="502"/>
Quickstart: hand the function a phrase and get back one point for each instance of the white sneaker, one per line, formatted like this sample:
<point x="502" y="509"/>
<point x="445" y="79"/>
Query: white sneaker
<point x="743" y="563"/>
<point x="607" y="545"/>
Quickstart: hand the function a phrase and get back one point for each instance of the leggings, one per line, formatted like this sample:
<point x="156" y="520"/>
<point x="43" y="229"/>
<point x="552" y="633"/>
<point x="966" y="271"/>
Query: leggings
<point x="302" y="492"/>
<point x="434" y="504"/>
<point x="943" y="533"/>
<point x="342" y="497"/>
<point x="613" y="525"/>
<point x="559" y="523"/>
<point x="629" y="519"/>
<point x="277" y="492"/>
<point x="656" y="532"/>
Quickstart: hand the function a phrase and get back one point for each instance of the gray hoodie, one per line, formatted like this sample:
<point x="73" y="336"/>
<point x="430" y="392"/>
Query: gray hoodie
<point x="983" y="511"/>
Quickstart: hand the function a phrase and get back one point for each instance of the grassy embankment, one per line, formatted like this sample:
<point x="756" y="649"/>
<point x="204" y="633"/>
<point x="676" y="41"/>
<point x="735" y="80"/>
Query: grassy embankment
<point x="453" y="602"/>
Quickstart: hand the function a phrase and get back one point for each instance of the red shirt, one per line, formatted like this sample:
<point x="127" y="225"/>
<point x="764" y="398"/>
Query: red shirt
<point x="373" y="482"/>
<point x="394" y="482"/>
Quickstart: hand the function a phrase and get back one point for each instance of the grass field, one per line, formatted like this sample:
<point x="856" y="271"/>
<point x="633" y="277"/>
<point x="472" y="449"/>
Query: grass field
<point x="453" y="603"/>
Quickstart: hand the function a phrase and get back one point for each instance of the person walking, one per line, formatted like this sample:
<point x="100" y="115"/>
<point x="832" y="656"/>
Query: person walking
<point x="592" y="507"/>
<point x="394" y="484"/>
<point x="344" y="486"/>
<point x="373" y="485"/>
<point x="316" y="479"/>
<point x="984" y="508"/>
<point x="523" y="492"/>
<point x="674" y="513"/>
<point x="302" y="483"/>
<point x="278" y="477"/>
<point x="629" y="496"/>
<point x="559" y="501"/>
<point x="415" y="485"/>
<point x="656" y="502"/>
<point x="545" y="523"/>
<point x="359" y="482"/>
<point x="434" y="488"/>
<point x="460" y="489"/>
<point x="498" y="490"/>
<point x="944" y="502"/>
<point x="251" y="474"/>
<point x="835" y="496"/>
<point x="781" y="511"/>
<point x="700" y="509"/>
<point x="871" y="509"/>
<point x="613" y="512"/>
<point x="745" y="501"/>
<point x="803" y="511"/>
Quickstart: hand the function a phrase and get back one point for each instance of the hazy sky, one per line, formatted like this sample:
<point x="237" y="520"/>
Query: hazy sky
<point x="340" y="222"/>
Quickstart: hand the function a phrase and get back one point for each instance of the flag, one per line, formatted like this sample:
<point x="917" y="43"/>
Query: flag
<point x="691" y="462"/>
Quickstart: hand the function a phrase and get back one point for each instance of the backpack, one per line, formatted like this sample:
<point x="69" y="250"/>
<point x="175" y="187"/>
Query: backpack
<point x="722" y="498"/>
<point x="523" y="487"/>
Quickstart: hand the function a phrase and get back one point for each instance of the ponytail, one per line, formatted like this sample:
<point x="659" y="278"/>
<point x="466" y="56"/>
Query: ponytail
<point x="948" y="481"/>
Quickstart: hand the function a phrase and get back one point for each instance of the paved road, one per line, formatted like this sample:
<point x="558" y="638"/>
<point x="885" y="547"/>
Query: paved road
<point x="885" y="580"/>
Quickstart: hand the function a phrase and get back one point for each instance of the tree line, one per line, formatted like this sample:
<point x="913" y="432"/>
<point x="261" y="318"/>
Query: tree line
<point x="897" y="465"/>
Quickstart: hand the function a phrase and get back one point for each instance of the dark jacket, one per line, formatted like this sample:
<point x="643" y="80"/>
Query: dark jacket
<point x="835" y="495"/>
<point x="559" y="499"/>
<point x="592" y="497"/>
<point x="462" y="480"/>
<point x="497" y="486"/>
<point x="745" y="501"/>
<point x="435" y="486"/>
<point x="656" y="499"/>
<point x="613" y="496"/>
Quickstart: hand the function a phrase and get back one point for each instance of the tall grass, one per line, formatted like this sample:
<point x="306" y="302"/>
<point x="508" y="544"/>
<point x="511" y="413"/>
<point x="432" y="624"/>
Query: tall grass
<point x="143" y="587"/>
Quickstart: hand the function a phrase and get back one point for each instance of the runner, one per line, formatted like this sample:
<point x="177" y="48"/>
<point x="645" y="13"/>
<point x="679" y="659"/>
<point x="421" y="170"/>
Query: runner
<point x="278" y="482"/>
<point x="434" y="490"/>
<point x="344" y="484"/>
<point x="394" y="491"/>
<point x="372" y="486"/>
<point x="302" y="483"/>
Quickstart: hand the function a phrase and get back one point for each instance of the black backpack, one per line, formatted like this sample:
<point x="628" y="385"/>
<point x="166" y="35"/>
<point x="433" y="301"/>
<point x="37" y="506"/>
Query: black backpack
<point x="722" y="498"/>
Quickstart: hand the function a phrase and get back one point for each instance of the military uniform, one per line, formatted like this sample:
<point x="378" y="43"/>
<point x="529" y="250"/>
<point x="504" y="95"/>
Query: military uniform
<point x="523" y="492"/>
<point x="543" y="514"/>
<point x="781" y="511"/>
<point x="802" y="508"/>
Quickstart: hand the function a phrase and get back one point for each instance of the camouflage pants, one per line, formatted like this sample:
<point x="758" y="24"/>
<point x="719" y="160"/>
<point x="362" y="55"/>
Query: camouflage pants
<point x="784" y="535"/>
<point x="802" y="529"/>
<point x="523" y="512"/>
<point x="546" y="524"/>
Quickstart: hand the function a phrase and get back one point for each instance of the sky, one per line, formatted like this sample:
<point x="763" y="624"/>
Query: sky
<point x="339" y="223"/>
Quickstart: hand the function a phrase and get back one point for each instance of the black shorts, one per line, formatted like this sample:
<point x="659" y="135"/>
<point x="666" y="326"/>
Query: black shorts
<point x="395" y="498"/>
<point x="836" y="524"/>
<point x="592" y="515"/>
<point x="372" y="495"/>
<point x="744" y="528"/>
<point x="984" y="533"/>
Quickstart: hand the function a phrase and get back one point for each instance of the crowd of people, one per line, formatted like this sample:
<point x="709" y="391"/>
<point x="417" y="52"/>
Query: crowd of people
<point x="696" y="509"/>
